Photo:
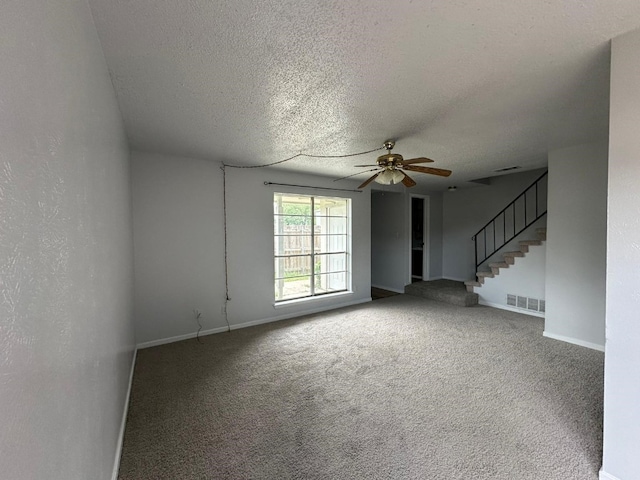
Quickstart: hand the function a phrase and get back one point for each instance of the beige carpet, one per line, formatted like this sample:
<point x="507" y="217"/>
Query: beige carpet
<point x="400" y="388"/>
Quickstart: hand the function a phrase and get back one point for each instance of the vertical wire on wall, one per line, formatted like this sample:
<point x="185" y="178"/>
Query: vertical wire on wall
<point x="226" y="265"/>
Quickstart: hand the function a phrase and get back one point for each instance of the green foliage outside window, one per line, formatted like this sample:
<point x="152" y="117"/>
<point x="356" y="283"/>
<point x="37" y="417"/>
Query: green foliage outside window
<point x="300" y="214"/>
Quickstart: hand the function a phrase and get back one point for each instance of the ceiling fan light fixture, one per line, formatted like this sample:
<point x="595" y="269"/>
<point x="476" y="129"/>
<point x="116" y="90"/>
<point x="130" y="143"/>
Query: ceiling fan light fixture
<point x="398" y="176"/>
<point x="385" y="178"/>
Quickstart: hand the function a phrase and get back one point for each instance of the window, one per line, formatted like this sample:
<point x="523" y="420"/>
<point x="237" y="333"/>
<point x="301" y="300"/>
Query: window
<point x="312" y="242"/>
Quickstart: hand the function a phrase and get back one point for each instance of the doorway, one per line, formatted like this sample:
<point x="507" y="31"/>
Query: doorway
<point x="419" y="266"/>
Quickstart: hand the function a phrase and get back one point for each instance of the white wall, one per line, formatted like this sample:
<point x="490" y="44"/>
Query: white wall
<point x="178" y="238"/>
<point x="388" y="240"/>
<point x="179" y="246"/>
<point x="622" y="357"/>
<point x="576" y="244"/>
<point x="525" y="278"/>
<point x="66" y="327"/>
<point x="467" y="210"/>
<point x="435" y="236"/>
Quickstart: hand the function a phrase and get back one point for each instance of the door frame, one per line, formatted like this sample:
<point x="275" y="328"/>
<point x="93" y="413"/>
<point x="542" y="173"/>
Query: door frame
<point x="425" y="229"/>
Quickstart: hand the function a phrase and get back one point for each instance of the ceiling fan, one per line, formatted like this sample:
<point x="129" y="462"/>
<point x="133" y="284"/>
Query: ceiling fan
<point x="391" y="168"/>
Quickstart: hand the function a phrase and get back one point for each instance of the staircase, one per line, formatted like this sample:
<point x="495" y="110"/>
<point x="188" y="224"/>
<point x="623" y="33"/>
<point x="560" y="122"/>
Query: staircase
<point x="509" y="258"/>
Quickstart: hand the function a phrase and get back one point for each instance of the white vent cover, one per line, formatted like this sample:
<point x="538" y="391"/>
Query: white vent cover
<point x="526" y="303"/>
<point x="522" y="302"/>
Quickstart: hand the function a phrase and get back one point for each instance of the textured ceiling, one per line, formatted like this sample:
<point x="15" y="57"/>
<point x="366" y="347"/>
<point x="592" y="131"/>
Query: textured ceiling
<point x="475" y="85"/>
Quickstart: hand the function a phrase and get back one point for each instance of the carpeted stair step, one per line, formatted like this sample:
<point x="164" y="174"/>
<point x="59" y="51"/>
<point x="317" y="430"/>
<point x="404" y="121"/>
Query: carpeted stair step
<point x="485" y="274"/>
<point x="542" y="233"/>
<point x="470" y="284"/>
<point x="447" y="291"/>
<point x="525" y="244"/>
<point x="510" y="257"/>
<point x="496" y="266"/>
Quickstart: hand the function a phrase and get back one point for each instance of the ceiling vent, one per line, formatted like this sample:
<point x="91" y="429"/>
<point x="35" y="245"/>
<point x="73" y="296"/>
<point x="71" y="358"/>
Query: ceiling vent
<point x="507" y="169"/>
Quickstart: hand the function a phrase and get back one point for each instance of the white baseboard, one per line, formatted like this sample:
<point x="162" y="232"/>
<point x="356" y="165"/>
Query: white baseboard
<point x="575" y="341"/>
<point x="178" y="338"/>
<point x="382" y="287"/>
<point x="607" y="476"/>
<point x="123" y="423"/>
<point x="299" y="314"/>
<point x="510" y="308"/>
<point x="436" y="278"/>
<point x="454" y="279"/>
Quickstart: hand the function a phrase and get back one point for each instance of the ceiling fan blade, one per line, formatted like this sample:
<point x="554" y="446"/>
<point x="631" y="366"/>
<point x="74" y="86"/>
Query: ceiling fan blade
<point x="407" y="181"/>
<point x="409" y="161"/>
<point x="365" y="166"/>
<point x="371" y="179"/>
<point x="433" y="171"/>
<point x="354" y="174"/>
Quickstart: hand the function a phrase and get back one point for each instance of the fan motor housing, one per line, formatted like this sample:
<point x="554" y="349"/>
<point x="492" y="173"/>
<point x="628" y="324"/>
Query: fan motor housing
<point x="389" y="160"/>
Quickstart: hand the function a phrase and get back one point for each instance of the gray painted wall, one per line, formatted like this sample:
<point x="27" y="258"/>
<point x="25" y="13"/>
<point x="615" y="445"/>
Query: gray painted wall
<point x="465" y="211"/>
<point x="576" y="244"/>
<point x="179" y="249"/>
<point x="393" y="218"/>
<point x="622" y="356"/>
<point x="66" y="327"/>
<point x="388" y="240"/>
<point x="178" y="238"/>
<point x="435" y="235"/>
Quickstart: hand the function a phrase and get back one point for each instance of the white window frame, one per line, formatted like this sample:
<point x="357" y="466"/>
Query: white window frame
<point x="312" y="254"/>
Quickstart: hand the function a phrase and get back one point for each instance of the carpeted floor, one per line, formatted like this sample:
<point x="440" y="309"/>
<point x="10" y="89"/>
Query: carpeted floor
<point x="378" y="293"/>
<point x="399" y="388"/>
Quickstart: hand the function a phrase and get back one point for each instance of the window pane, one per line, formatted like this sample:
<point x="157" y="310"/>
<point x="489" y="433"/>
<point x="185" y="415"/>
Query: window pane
<point x="291" y="225"/>
<point x="310" y="261"/>
<point x="290" y="267"/>
<point x="331" y="225"/>
<point x="330" y="282"/>
<point x="288" y="204"/>
<point x="292" y="245"/>
<point x="330" y="206"/>
<point x="330" y="263"/>
<point x="290" y="288"/>
<point x="330" y="243"/>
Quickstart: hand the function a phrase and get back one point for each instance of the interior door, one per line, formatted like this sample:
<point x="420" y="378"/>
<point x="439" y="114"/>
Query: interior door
<point x="417" y="239"/>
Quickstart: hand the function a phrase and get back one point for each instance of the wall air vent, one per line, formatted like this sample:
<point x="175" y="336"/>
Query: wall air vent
<point x="526" y="303"/>
<point x="507" y="169"/>
<point x="522" y="302"/>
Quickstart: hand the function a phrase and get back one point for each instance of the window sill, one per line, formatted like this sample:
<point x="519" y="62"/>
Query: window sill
<point x="307" y="300"/>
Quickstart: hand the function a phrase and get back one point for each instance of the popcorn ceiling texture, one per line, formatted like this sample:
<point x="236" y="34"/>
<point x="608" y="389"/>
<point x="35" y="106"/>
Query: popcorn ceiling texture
<point x="66" y="333"/>
<point x="474" y="85"/>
